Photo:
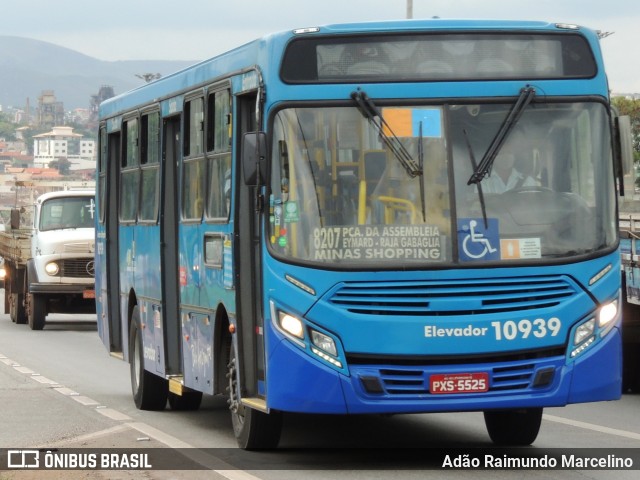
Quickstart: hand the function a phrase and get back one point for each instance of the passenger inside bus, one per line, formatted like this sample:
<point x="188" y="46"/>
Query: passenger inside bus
<point x="504" y="176"/>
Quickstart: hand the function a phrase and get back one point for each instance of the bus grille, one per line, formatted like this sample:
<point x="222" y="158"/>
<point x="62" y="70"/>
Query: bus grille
<point x="77" y="267"/>
<point x="407" y="382"/>
<point x="453" y="297"/>
<point x="414" y="380"/>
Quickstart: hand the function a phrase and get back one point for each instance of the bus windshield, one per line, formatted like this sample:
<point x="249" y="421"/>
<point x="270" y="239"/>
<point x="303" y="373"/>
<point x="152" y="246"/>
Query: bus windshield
<point x="340" y="194"/>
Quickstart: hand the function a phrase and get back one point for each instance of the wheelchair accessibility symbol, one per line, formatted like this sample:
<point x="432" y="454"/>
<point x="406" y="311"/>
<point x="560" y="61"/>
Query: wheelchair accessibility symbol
<point x="475" y="242"/>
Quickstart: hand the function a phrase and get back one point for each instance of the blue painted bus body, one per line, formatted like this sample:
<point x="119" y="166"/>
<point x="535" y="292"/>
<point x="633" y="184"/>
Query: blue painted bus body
<point x="372" y="345"/>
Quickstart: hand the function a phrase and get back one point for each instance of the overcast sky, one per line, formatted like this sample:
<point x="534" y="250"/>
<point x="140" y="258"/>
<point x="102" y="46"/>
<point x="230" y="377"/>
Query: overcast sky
<point x="198" y="29"/>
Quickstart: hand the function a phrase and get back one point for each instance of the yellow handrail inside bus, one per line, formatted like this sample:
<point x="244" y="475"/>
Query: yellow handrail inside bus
<point x="392" y="205"/>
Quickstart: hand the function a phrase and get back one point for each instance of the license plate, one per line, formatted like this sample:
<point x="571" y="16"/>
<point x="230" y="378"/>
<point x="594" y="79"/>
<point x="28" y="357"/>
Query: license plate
<point x="445" y="383"/>
<point x="89" y="294"/>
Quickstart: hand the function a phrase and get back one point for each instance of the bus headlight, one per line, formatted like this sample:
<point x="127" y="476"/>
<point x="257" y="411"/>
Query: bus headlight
<point x="324" y="347"/>
<point x="583" y="337"/>
<point x="52" y="268"/>
<point x="584" y="331"/>
<point x="586" y="334"/>
<point x="324" y="342"/>
<point x="290" y="324"/>
<point x="305" y="336"/>
<point x="607" y="314"/>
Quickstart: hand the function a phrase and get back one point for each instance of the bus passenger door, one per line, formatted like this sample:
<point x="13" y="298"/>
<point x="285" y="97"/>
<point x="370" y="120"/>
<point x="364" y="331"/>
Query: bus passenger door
<point x="248" y="267"/>
<point x="113" y="314"/>
<point x="169" y="247"/>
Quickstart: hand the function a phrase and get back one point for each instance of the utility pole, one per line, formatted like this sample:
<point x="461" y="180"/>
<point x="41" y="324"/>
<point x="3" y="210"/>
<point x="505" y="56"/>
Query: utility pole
<point x="409" y="8"/>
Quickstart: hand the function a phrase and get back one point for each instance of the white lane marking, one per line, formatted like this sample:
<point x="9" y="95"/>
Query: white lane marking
<point x="85" y="400"/>
<point x="66" y="391"/>
<point x="41" y="379"/>
<point x="169" y="440"/>
<point x="113" y="414"/>
<point x="591" y="426"/>
<point x="193" y="453"/>
<point x="25" y="370"/>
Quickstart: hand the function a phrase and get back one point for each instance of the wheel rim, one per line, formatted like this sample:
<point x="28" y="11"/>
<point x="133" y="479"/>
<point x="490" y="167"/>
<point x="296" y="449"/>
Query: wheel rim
<point x="235" y="405"/>
<point x="136" y="361"/>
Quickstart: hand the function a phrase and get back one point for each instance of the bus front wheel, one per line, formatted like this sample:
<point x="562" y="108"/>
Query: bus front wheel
<point x="252" y="428"/>
<point x="149" y="391"/>
<point x="513" y="427"/>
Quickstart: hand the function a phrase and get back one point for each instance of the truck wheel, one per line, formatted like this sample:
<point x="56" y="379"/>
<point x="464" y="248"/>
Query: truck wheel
<point x="37" y="311"/>
<point x="149" y="391"/>
<point x="252" y="428"/>
<point x="7" y="303"/>
<point x="16" y="309"/>
<point x="513" y="427"/>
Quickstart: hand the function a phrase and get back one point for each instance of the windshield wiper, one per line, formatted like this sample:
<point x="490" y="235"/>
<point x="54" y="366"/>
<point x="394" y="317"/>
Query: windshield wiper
<point x="474" y="166"/>
<point x="369" y="111"/>
<point x="484" y="167"/>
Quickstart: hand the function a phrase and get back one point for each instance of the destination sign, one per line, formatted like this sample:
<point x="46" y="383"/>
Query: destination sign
<point x="377" y="242"/>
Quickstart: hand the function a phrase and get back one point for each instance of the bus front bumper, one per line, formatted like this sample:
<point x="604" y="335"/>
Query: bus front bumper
<point x="299" y="383"/>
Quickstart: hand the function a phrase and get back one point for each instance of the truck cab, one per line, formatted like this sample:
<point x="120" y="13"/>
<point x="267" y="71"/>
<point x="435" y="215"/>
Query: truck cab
<point x="50" y="262"/>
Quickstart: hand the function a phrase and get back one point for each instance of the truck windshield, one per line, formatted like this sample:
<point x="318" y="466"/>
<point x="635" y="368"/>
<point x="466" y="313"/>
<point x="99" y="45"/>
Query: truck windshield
<point x="67" y="212"/>
<point x="339" y="196"/>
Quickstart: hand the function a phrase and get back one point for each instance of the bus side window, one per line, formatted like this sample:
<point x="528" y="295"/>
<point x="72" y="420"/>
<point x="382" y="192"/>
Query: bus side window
<point x="193" y="191"/>
<point x="130" y="174"/>
<point x="219" y="134"/>
<point x="219" y="187"/>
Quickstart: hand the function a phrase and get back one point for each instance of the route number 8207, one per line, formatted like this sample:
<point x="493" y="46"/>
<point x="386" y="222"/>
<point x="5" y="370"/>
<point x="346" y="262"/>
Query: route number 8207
<point x="539" y="328"/>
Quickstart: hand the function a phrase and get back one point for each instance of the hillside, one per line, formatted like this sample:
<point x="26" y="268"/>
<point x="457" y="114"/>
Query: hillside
<point x="27" y="67"/>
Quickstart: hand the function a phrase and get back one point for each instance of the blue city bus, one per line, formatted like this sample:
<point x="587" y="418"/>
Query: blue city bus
<point x="375" y="218"/>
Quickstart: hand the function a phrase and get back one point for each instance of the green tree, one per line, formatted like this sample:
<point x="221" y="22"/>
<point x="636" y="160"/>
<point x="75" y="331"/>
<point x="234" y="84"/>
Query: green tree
<point x="62" y="164"/>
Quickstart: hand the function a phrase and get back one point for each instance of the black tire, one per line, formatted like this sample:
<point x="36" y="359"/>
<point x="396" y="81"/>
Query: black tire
<point x="149" y="391"/>
<point x="513" y="427"/>
<point x="17" y="311"/>
<point x="37" y="311"/>
<point x="7" y="303"/>
<point x="253" y="429"/>
<point x="186" y="401"/>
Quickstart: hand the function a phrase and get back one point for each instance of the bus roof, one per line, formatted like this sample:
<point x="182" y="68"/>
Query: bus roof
<point x="265" y="53"/>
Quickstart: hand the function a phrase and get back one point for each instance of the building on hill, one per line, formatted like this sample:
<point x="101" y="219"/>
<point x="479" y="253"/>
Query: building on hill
<point x="13" y="153"/>
<point x="61" y="144"/>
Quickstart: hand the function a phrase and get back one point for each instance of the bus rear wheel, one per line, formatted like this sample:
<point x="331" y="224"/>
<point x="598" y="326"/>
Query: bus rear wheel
<point x="149" y="391"/>
<point x="513" y="427"/>
<point x="252" y="428"/>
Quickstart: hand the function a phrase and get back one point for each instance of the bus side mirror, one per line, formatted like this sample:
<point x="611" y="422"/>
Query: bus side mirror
<point x="254" y="157"/>
<point x="626" y="149"/>
<point x="624" y="152"/>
